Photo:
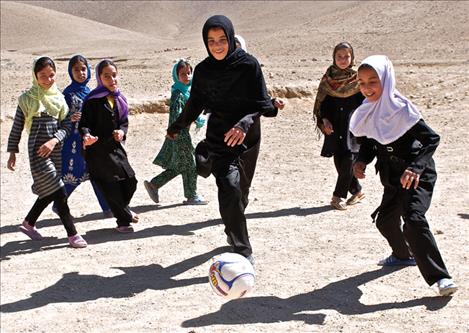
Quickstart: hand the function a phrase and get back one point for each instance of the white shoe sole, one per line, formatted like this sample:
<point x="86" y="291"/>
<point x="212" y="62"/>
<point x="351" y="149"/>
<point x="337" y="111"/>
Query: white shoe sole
<point x="448" y="291"/>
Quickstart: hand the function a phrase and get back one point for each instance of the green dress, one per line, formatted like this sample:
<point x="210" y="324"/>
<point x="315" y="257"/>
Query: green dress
<point x="176" y="154"/>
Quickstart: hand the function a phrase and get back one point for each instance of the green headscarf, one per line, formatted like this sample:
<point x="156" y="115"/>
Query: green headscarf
<point x="185" y="89"/>
<point x="36" y="100"/>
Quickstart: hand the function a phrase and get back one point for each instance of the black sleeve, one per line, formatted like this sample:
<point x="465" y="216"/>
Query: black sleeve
<point x="367" y="151"/>
<point x="262" y="102"/>
<point x="84" y="124"/>
<point x="15" y="133"/>
<point x="124" y="125"/>
<point x="325" y="109"/>
<point x="272" y="113"/>
<point x="429" y="140"/>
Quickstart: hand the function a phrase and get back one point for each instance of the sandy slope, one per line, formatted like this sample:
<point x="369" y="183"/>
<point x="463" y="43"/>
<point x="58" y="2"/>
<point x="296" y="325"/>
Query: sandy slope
<point x="316" y="267"/>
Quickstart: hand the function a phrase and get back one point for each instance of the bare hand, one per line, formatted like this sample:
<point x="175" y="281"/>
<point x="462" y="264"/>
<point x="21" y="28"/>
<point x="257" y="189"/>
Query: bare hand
<point x="408" y="176"/>
<point x="76" y="116"/>
<point x="46" y="149"/>
<point x="171" y="136"/>
<point x="279" y="103"/>
<point x="234" y="136"/>
<point x="359" y="170"/>
<point x="118" y="135"/>
<point x="11" y="162"/>
<point x="327" y="127"/>
<point x="88" y="140"/>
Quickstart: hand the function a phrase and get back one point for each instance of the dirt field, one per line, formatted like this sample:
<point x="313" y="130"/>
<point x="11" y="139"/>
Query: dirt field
<point x="316" y="267"/>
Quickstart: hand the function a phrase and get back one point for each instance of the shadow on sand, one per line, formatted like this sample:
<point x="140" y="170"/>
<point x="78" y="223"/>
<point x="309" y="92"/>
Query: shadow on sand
<point x="74" y="287"/>
<point x="100" y="236"/>
<point x="342" y="296"/>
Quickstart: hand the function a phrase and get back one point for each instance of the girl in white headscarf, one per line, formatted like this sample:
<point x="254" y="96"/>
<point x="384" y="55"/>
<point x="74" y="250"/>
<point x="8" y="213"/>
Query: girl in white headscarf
<point x="393" y="131"/>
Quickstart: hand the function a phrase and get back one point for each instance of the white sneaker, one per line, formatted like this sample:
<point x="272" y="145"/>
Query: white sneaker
<point x="446" y="287"/>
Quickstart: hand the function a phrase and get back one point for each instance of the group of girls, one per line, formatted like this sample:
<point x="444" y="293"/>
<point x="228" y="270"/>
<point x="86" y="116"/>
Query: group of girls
<point x="73" y="136"/>
<point x="229" y="85"/>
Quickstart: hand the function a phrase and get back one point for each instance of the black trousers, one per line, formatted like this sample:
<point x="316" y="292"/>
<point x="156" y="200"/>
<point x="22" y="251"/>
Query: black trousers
<point x="118" y="195"/>
<point x="414" y="237"/>
<point x="346" y="181"/>
<point x="248" y="162"/>
<point x="59" y="198"/>
<point x="234" y="176"/>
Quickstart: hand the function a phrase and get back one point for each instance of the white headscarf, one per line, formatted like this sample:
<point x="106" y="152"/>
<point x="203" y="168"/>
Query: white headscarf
<point x="242" y="42"/>
<point x="390" y="117"/>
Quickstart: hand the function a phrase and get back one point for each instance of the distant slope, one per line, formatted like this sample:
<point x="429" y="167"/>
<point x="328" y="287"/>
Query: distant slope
<point x="178" y="18"/>
<point x="26" y="27"/>
<point x="399" y="28"/>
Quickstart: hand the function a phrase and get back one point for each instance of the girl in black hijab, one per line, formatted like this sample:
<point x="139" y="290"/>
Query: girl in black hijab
<point x="229" y="83"/>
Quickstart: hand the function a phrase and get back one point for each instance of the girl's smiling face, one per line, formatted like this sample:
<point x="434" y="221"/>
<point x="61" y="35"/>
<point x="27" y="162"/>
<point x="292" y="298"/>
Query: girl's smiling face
<point x="343" y="58"/>
<point x="109" y="77"/>
<point x="79" y="72"/>
<point x="370" y="84"/>
<point x="46" y="77"/>
<point x="217" y="43"/>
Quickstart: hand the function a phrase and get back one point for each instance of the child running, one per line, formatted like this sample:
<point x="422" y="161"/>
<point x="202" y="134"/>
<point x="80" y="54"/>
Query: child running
<point x="103" y="125"/>
<point x="338" y="96"/>
<point x="394" y="132"/>
<point x="42" y="110"/>
<point x="73" y="163"/>
<point x="229" y="83"/>
<point x="177" y="156"/>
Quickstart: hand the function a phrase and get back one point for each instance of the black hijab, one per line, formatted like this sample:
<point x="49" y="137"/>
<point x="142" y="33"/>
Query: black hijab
<point x="223" y="22"/>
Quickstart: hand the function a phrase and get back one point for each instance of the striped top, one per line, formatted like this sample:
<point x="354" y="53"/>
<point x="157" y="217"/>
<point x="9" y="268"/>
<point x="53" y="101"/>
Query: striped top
<point x="46" y="172"/>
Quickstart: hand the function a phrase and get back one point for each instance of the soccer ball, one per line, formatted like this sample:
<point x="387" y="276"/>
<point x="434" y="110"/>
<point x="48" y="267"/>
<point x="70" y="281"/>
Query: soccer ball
<point x="231" y="275"/>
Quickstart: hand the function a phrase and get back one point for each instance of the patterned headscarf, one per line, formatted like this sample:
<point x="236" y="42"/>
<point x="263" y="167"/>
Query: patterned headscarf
<point x="36" y="100"/>
<point x="388" y="118"/>
<point x="336" y="82"/>
<point x="101" y="91"/>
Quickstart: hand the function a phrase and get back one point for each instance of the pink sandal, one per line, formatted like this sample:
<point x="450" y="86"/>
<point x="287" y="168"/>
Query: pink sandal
<point x="77" y="241"/>
<point x="30" y="231"/>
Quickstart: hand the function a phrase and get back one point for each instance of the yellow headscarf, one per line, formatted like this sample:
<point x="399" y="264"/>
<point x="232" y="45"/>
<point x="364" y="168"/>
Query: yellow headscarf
<point x="36" y="100"/>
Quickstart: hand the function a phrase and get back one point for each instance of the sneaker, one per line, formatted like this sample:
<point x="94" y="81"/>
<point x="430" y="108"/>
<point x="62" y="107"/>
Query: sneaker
<point x="356" y="198"/>
<point x="446" y="287"/>
<point x="125" y="229"/>
<point x="107" y="214"/>
<point x="393" y="261"/>
<point x="77" y="241"/>
<point x="152" y="191"/>
<point x="30" y="231"/>
<point x="134" y="217"/>
<point x="338" y="203"/>
<point x="198" y="200"/>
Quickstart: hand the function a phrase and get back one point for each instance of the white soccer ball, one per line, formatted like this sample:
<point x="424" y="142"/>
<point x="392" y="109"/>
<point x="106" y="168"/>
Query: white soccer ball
<point x="231" y="275"/>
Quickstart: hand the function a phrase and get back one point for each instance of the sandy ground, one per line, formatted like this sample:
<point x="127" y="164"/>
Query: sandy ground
<point x="316" y="267"/>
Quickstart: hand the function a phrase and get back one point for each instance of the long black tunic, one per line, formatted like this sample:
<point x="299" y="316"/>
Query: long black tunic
<point x="338" y="111"/>
<point x="106" y="159"/>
